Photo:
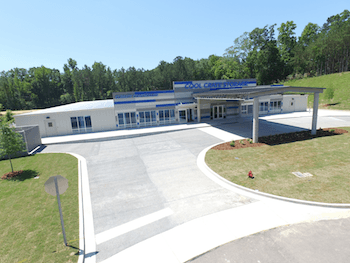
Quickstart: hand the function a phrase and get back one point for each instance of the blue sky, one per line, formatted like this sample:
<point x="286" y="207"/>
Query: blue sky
<point x="139" y="33"/>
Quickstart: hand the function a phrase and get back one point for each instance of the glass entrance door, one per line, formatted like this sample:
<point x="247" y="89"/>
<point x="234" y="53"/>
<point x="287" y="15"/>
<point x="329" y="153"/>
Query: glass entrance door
<point x="217" y="112"/>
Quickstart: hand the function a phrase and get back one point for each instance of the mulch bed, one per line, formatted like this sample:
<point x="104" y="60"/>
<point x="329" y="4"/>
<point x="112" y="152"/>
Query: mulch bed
<point x="280" y="139"/>
<point x="11" y="174"/>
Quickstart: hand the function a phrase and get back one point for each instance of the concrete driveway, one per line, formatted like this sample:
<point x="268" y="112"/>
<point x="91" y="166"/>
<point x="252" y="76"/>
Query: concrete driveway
<point x="144" y="186"/>
<point x="131" y="179"/>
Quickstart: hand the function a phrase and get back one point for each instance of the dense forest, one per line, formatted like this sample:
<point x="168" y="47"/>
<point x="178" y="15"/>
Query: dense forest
<point x="263" y="54"/>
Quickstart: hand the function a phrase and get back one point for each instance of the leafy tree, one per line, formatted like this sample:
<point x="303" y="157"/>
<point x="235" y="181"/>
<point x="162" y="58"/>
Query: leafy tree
<point x="286" y="44"/>
<point x="11" y="142"/>
<point x="8" y="118"/>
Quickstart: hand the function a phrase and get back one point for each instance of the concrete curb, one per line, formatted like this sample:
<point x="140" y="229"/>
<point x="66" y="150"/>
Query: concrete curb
<point x="205" y="169"/>
<point x="87" y="244"/>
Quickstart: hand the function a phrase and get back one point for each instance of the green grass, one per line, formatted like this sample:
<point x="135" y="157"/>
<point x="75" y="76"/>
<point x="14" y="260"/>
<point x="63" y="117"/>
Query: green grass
<point x="29" y="217"/>
<point x="327" y="158"/>
<point x="340" y="82"/>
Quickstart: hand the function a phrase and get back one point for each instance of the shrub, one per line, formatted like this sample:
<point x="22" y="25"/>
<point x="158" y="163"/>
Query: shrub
<point x="332" y="130"/>
<point x="232" y="143"/>
<point x="329" y="93"/>
<point x="250" y="141"/>
<point x="241" y="142"/>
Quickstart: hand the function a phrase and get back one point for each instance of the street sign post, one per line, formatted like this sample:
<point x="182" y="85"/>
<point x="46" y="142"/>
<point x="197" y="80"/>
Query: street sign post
<point x="57" y="185"/>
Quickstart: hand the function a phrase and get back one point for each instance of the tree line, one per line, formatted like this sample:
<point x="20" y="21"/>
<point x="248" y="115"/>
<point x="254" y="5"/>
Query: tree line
<point x="257" y="54"/>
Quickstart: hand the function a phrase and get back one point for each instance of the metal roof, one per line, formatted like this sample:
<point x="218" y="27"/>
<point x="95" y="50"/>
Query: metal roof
<point x="248" y="93"/>
<point x="78" y="106"/>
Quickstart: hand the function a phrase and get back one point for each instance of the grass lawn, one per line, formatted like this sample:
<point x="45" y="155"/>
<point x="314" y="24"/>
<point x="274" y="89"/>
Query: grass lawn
<point x="29" y="217"/>
<point x="340" y="82"/>
<point x="327" y="158"/>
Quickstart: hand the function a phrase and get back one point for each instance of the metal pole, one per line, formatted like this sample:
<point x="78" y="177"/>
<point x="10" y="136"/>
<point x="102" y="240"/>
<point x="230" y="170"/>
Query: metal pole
<point x="59" y="208"/>
<point x="256" y="120"/>
<point x="314" y="114"/>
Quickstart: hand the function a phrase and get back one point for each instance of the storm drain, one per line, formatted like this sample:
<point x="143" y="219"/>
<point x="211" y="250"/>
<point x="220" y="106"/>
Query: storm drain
<point x="301" y="175"/>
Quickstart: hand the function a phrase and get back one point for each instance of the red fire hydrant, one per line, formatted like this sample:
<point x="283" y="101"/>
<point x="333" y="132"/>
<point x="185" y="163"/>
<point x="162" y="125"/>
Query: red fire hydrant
<point x="250" y="174"/>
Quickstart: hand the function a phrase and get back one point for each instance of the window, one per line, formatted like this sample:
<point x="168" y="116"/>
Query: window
<point x="167" y="115"/>
<point x="182" y="115"/>
<point x="148" y="116"/>
<point x="127" y="118"/>
<point x="153" y="115"/>
<point x="120" y="118"/>
<point x="88" y="121"/>
<point x="250" y="109"/>
<point x="142" y="117"/>
<point x="275" y="105"/>
<point x="133" y="117"/>
<point x="49" y="124"/>
<point x="81" y="124"/>
<point x="244" y="109"/>
<point x="261" y="108"/>
<point x="161" y="115"/>
<point x="74" y="123"/>
<point x="172" y="115"/>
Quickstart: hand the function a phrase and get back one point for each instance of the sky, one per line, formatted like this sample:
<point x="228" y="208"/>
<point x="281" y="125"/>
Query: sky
<point x="139" y="33"/>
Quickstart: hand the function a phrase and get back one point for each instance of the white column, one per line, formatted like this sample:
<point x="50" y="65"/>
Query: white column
<point x="199" y="110"/>
<point x="314" y="114"/>
<point x="256" y="120"/>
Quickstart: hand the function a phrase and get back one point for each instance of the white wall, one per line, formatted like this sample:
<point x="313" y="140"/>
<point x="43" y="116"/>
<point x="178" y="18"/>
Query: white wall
<point x="101" y="120"/>
<point x="292" y="103"/>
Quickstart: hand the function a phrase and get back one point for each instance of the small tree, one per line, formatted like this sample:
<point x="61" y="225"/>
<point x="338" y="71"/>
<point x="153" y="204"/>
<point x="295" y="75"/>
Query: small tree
<point x="329" y="93"/>
<point x="11" y="142"/>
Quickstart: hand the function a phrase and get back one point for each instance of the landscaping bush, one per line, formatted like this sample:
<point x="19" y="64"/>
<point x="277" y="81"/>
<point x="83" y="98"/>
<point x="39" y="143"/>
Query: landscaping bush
<point x="232" y="143"/>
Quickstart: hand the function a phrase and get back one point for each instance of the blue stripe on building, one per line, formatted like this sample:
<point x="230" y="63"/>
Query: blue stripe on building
<point x="233" y="107"/>
<point x="153" y="92"/>
<point x="182" y="82"/>
<point x="133" y="101"/>
<point x="165" y="105"/>
<point x="226" y="88"/>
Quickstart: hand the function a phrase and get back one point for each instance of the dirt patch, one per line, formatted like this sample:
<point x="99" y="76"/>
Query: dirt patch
<point x="280" y="139"/>
<point x="11" y="174"/>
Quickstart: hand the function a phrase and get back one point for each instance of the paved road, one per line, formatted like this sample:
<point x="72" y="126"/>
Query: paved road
<point x="143" y="186"/>
<point x="316" y="242"/>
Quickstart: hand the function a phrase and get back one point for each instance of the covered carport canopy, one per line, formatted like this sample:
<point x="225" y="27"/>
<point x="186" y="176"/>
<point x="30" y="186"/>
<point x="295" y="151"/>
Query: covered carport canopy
<point x="255" y="93"/>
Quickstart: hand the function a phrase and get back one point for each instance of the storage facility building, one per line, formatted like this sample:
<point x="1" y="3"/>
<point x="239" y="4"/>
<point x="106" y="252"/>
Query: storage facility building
<point x="188" y="101"/>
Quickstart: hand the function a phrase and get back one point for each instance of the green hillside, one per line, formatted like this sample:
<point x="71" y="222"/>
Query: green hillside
<point x="339" y="82"/>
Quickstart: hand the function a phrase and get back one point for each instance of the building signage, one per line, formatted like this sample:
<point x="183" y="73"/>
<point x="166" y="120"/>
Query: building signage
<point x="215" y="85"/>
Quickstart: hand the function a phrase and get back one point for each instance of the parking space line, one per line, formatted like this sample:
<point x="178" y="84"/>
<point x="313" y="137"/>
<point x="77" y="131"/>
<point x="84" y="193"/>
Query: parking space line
<point x="132" y="225"/>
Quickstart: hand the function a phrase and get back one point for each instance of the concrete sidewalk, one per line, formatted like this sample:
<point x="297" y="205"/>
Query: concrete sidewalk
<point x="120" y="134"/>
<point x="300" y="119"/>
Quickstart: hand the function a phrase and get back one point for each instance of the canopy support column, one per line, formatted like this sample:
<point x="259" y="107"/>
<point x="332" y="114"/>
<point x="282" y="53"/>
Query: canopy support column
<point x="256" y="120"/>
<point x="314" y="114"/>
<point x="199" y="109"/>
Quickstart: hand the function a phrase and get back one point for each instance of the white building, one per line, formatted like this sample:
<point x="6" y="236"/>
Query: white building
<point x="189" y="101"/>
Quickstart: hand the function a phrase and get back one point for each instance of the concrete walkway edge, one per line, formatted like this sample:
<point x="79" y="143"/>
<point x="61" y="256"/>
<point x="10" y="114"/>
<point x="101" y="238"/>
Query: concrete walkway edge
<point x="210" y="173"/>
<point x="87" y="244"/>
